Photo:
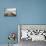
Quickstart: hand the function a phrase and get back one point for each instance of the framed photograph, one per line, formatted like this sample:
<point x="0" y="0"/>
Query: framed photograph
<point x="10" y="12"/>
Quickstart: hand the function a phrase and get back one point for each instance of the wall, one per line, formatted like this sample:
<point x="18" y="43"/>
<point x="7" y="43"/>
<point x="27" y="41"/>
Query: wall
<point x="28" y="12"/>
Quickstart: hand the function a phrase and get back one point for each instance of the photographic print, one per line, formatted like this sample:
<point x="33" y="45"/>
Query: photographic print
<point x="10" y="12"/>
